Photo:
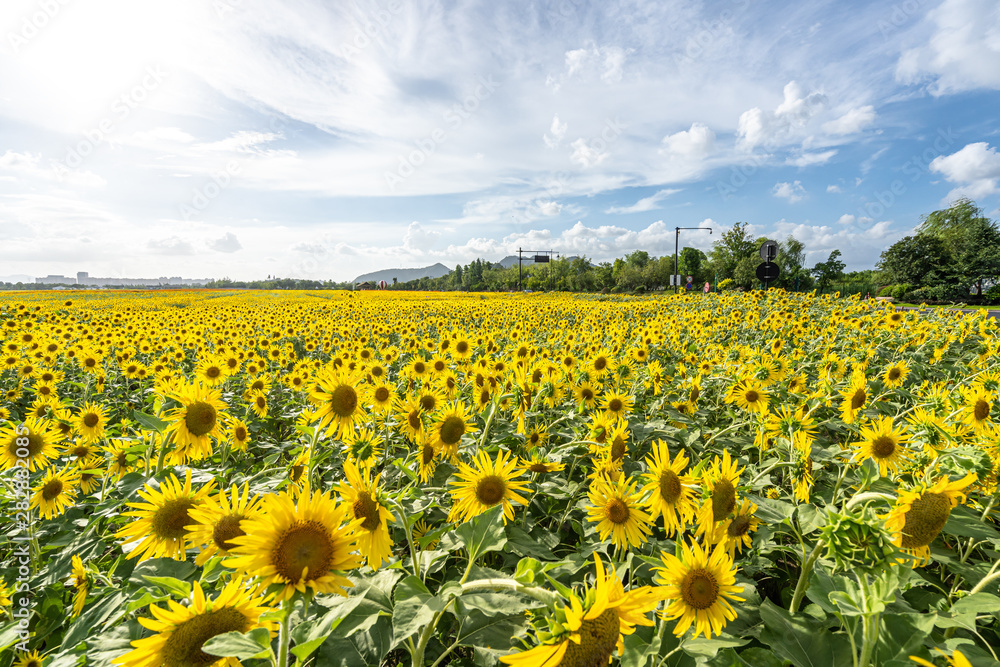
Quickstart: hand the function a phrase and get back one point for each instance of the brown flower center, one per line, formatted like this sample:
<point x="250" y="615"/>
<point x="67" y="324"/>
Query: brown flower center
<point x="307" y="544"/>
<point x="183" y="648"/>
<point x="200" y="418"/>
<point x="723" y="499"/>
<point x="670" y="486"/>
<point x="616" y="511"/>
<point x="227" y="529"/>
<point x="171" y="520"/>
<point x="925" y="519"/>
<point x="52" y="489"/>
<point x="598" y="638"/>
<point x="739" y="526"/>
<point x="365" y="507"/>
<point x="981" y="411"/>
<point x="883" y="447"/>
<point x="490" y="490"/>
<point x="91" y="419"/>
<point x="452" y="430"/>
<point x="381" y="394"/>
<point x="343" y="401"/>
<point x="699" y="589"/>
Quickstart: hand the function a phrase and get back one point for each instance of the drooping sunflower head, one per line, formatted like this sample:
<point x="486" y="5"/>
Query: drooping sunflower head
<point x="920" y="513"/>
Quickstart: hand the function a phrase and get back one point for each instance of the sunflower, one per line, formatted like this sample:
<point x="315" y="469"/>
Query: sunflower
<point x="361" y="492"/>
<point x="410" y="416"/>
<point x="258" y="404"/>
<point x="584" y="394"/>
<point x="602" y="362"/>
<point x="239" y="435"/>
<point x="211" y="371"/>
<point x="430" y="399"/>
<point x="382" y="397"/>
<point x="735" y="531"/>
<point x="617" y="405"/>
<point x="920" y="513"/>
<point x="698" y="587"/>
<point x="854" y="398"/>
<point x="340" y="401"/>
<point x="197" y="421"/>
<point x="182" y="631"/>
<point x="217" y="521"/>
<point x="669" y="490"/>
<point x="882" y="444"/>
<point x="299" y="540"/>
<point x="587" y="632"/>
<point x="427" y="459"/>
<point x="81" y="582"/>
<point x="617" y="510"/>
<point x="35" y="441"/>
<point x="536" y="463"/>
<point x="120" y="463"/>
<point x="161" y="522"/>
<point x="536" y="436"/>
<point x="895" y="375"/>
<point x="56" y="491"/>
<point x="801" y="472"/>
<point x="33" y="659"/>
<point x="420" y="530"/>
<point x="749" y="395"/>
<point x="485" y="484"/>
<point x="91" y="473"/>
<point x="617" y="441"/>
<point x="719" y="482"/>
<point x="448" y="428"/>
<point x="977" y="408"/>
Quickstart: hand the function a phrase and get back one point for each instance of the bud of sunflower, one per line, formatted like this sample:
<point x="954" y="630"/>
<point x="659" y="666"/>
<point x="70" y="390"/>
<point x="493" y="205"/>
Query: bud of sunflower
<point x="857" y="541"/>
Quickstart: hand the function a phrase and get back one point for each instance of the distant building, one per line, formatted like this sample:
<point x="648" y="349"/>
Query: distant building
<point x="56" y="280"/>
<point x="83" y="278"/>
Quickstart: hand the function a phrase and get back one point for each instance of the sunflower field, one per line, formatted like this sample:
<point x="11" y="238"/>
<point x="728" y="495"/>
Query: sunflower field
<point x="347" y="479"/>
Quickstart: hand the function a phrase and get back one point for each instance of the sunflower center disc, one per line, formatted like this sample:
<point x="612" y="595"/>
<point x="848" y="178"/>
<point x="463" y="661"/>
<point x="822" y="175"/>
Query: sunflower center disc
<point x="600" y="364"/>
<point x="695" y="393"/>
<point x="304" y="545"/>
<point x="699" y="589"/>
<point x="414" y="420"/>
<point x="452" y="430"/>
<point x="183" y="648"/>
<point x="925" y="519"/>
<point x="738" y="527"/>
<point x="670" y="486"/>
<point x="426" y="454"/>
<point x="751" y="396"/>
<point x="462" y="347"/>
<point x="618" y="448"/>
<point x="90" y="420"/>
<point x="883" y="446"/>
<point x="615" y="405"/>
<point x="419" y="368"/>
<point x="241" y="433"/>
<point x="587" y="395"/>
<point x="80" y="451"/>
<point x="213" y="372"/>
<point x="226" y="529"/>
<point x="534" y="438"/>
<point x="894" y="374"/>
<point x="343" y="401"/>
<point x="365" y="507"/>
<point x="428" y="402"/>
<point x="52" y="490"/>
<point x="381" y="394"/>
<point x="617" y="511"/>
<point x="598" y="638"/>
<point x="170" y="521"/>
<point x="858" y="399"/>
<point x="723" y="499"/>
<point x="982" y="410"/>
<point x="200" y="418"/>
<point x="35" y="444"/>
<point x="490" y="490"/>
<point x="538" y="467"/>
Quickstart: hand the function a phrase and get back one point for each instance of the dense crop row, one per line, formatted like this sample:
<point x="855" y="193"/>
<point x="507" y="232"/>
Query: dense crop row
<point x="352" y="479"/>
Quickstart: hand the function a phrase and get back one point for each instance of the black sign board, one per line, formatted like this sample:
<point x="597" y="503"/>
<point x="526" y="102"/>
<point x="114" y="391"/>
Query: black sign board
<point x="541" y="259"/>
<point x="767" y="271"/>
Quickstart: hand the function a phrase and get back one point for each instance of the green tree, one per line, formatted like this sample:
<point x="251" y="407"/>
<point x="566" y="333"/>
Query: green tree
<point x="923" y="260"/>
<point x="735" y="246"/>
<point x="692" y="261"/>
<point x="829" y="272"/>
<point x="971" y="239"/>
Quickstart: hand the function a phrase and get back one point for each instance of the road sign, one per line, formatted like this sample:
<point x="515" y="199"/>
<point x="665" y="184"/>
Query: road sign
<point x="708" y="288"/>
<point x="767" y="271"/>
<point x="768" y="251"/>
<point x="675" y="281"/>
<point x="541" y="259"/>
<point x="690" y="279"/>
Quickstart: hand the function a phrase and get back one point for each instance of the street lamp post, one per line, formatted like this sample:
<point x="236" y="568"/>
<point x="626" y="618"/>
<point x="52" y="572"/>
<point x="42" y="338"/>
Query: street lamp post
<point x="677" y="242"/>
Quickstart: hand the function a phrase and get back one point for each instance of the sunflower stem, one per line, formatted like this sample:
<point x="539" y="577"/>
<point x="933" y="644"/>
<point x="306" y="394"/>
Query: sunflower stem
<point x="993" y="575"/>
<point x="162" y="455"/>
<point x="804" y="576"/>
<point x="283" y="632"/>
<point x="539" y="594"/>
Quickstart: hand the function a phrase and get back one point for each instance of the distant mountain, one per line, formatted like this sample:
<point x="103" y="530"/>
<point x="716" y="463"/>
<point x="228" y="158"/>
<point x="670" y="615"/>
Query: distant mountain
<point x="405" y="275"/>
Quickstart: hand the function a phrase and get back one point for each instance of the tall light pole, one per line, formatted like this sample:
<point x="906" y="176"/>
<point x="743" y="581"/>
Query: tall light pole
<point x="677" y="242"/>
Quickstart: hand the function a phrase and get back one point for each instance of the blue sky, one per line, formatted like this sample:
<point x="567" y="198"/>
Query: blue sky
<point x="323" y="139"/>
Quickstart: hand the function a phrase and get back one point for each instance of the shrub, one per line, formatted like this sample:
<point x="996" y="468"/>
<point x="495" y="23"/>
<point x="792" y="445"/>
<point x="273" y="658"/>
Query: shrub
<point x="727" y="285"/>
<point x="887" y="290"/>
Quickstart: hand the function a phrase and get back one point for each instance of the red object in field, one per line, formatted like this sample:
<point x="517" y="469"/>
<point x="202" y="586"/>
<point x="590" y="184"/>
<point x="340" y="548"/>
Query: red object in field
<point x="708" y="288"/>
<point x="382" y="284"/>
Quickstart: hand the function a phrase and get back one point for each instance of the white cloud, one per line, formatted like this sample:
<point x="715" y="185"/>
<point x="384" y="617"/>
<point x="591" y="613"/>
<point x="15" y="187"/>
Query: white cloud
<point x="29" y="166"/>
<point x="650" y="203"/>
<point x="793" y="192"/>
<point x="961" y="54"/>
<point x="835" y="189"/>
<point x="228" y="243"/>
<point x="847" y="219"/>
<point x="767" y="128"/>
<point x="606" y="62"/>
<point x="556" y="132"/>
<point x="976" y="168"/>
<point x="172" y="245"/>
<point x="696" y="142"/>
<point x="417" y="238"/>
<point x="853" y="121"/>
<point x="860" y="246"/>
<point x="811" y="159"/>
<point x="585" y="155"/>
